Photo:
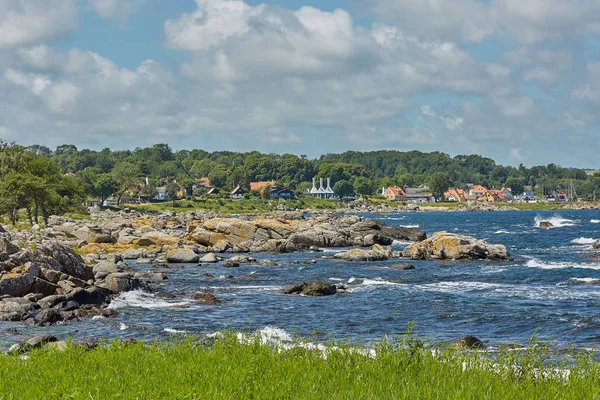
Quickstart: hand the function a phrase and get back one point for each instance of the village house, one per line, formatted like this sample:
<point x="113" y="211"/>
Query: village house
<point x="477" y="192"/>
<point x="394" y="193"/>
<point x="418" y="195"/>
<point x="259" y="186"/>
<point x="457" y="195"/>
<point x="237" y="193"/>
<point x="322" y="192"/>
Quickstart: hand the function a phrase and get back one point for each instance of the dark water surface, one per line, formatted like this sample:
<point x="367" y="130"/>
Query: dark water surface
<point x="552" y="286"/>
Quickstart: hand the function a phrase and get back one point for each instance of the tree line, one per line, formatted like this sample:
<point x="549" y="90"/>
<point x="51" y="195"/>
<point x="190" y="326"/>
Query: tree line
<point x="42" y="180"/>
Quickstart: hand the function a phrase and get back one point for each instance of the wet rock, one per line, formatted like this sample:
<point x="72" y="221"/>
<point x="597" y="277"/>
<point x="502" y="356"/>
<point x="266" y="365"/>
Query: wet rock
<point x="165" y="295"/>
<point x="209" y="258"/>
<point x="243" y="259"/>
<point x="207" y="298"/>
<point x="208" y="275"/>
<point x="450" y="246"/>
<point x="295" y="288"/>
<point x="319" y="289"/>
<point x="230" y="264"/>
<point x="33" y="343"/>
<point x="119" y="282"/>
<point x="470" y="342"/>
<point x="50" y="301"/>
<point x="546" y="224"/>
<point x="268" y="263"/>
<point x="109" y="313"/>
<point x="47" y="317"/>
<point x="91" y="295"/>
<point x="403" y="267"/>
<point x="67" y="306"/>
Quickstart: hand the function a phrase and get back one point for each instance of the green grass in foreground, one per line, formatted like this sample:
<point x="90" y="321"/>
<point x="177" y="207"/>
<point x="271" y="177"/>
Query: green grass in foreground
<point x="229" y="370"/>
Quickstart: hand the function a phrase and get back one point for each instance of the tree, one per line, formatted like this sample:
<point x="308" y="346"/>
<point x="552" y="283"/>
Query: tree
<point x="342" y="188"/>
<point x="171" y="191"/>
<point x="439" y="182"/>
<point x="126" y="175"/>
<point x="218" y="176"/>
<point x="104" y="186"/>
<point x="364" y="186"/>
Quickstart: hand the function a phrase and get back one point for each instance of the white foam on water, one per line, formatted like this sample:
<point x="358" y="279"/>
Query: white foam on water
<point x="171" y="330"/>
<point x="535" y="263"/>
<point x="123" y="327"/>
<point x="410" y="226"/>
<point x="595" y="221"/>
<point x="140" y="299"/>
<point x="583" y="240"/>
<point x="556" y="220"/>
<point x="587" y="281"/>
<point x="400" y="242"/>
<point x="336" y="279"/>
<point x="378" y="282"/>
<point x="501" y="231"/>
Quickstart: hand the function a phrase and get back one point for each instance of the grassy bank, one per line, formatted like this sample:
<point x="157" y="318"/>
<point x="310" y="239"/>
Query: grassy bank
<point x="229" y="370"/>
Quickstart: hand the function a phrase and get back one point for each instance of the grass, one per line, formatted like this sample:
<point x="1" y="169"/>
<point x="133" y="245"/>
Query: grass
<point x="188" y="369"/>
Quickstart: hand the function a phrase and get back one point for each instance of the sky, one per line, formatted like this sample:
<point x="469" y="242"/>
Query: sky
<point x="514" y="80"/>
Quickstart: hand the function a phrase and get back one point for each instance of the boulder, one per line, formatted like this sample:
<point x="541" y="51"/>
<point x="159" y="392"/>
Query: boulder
<point x="209" y="258"/>
<point x="47" y="317"/>
<point x="33" y="343"/>
<point x="57" y="257"/>
<point x="319" y="289"/>
<point x="230" y="264"/>
<point x="376" y="253"/>
<point x="546" y="224"/>
<point x="16" y="284"/>
<point x="182" y="256"/>
<point x="91" y="295"/>
<point x="207" y="298"/>
<point x="133" y="254"/>
<point x="450" y="246"/>
<point x="107" y="267"/>
<point x="8" y="247"/>
<point x="120" y="282"/>
<point x="470" y="342"/>
<point x="403" y="267"/>
<point x="295" y="288"/>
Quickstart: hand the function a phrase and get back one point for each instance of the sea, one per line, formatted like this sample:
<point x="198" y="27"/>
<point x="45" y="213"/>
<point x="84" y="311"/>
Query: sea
<point x="550" y="289"/>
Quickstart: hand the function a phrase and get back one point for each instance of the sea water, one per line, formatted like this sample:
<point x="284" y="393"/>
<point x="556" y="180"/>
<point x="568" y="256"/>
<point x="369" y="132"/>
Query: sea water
<point x="551" y="288"/>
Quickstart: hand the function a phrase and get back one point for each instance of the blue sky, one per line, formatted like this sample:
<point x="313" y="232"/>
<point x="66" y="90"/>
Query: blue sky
<point x="518" y="81"/>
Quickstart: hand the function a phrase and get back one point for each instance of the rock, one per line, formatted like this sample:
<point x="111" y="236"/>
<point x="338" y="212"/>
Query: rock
<point x="40" y="340"/>
<point x="209" y="258"/>
<point x="450" y="246"/>
<point x="207" y="298"/>
<point x="16" y="284"/>
<point x="7" y="247"/>
<point x="597" y="246"/>
<point x="294" y="288"/>
<point x="470" y="342"/>
<point x="144" y="242"/>
<point x="319" y="289"/>
<point x="243" y="259"/>
<point x="545" y="224"/>
<point x="376" y="253"/>
<point x="403" y="267"/>
<point x="91" y="295"/>
<point x="67" y="306"/>
<point x="119" y="282"/>
<point x="47" y="317"/>
<point x="107" y="267"/>
<point x="57" y="257"/>
<point x="164" y="295"/>
<point x="133" y="254"/>
<point x="182" y="256"/>
<point x="50" y="301"/>
<point x="268" y="263"/>
<point x="230" y="264"/>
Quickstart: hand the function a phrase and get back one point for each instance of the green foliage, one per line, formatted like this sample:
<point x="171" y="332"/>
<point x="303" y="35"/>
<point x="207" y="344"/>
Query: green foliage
<point x="342" y="188"/>
<point x="438" y="183"/>
<point x="405" y="368"/>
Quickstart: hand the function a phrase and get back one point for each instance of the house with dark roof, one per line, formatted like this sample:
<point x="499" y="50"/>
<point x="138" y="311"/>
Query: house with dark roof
<point x="238" y="192"/>
<point x="419" y="195"/>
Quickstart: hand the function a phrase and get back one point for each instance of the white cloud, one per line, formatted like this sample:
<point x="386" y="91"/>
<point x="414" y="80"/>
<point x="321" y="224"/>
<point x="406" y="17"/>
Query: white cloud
<point x="516" y="106"/>
<point x="541" y="75"/>
<point x="120" y="10"/>
<point x="26" y="22"/>
<point x="531" y="21"/>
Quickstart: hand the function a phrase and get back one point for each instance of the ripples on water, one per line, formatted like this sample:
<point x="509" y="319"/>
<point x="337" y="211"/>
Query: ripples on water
<point x="552" y="286"/>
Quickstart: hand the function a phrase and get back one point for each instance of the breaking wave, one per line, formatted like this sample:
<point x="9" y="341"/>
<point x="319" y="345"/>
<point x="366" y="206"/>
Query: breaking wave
<point x="139" y="299"/>
<point x="557" y="221"/>
<point x="583" y="240"/>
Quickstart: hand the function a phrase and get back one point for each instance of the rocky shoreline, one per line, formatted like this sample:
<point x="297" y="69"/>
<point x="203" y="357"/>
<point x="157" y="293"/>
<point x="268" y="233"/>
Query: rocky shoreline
<point x="71" y="269"/>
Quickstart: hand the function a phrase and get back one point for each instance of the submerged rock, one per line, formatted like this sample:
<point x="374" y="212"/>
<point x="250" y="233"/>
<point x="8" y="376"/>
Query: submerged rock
<point x="450" y="246"/>
<point x="546" y="224"/>
<point x="470" y="342"/>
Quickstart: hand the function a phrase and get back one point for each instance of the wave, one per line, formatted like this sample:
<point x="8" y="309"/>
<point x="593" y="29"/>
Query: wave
<point x="595" y="221"/>
<point x="400" y="242"/>
<point x="557" y="221"/>
<point x="140" y="299"/>
<point x="535" y="263"/>
<point x="171" y="330"/>
<point x="583" y="240"/>
<point x="586" y="281"/>
<point x="410" y="226"/>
